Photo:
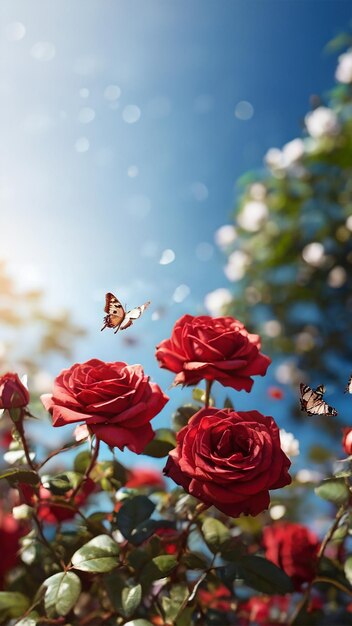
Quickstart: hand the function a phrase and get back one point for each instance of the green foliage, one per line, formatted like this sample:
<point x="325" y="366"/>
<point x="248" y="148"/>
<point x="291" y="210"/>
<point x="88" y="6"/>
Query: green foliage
<point x="164" y="441"/>
<point x="261" y="574"/>
<point x="132" y="514"/>
<point x="62" y="593"/>
<point x="335" y="490"/>
<point x="99" y="555"/>
<point x="215" y="533"/>
<point x="12" y="604"/>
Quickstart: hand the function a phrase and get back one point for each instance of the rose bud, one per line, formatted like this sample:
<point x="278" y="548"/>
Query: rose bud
<point x="347" y="441"/>
<point x="214" y="349"/>
<point x="13" y="394"/>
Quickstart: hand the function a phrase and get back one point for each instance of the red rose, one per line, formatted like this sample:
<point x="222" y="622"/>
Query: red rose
<point x="347" y="441"/>
<point x="264" y="610"/>
<point x="53" y="509"/>
<point x="10" y="534"/>
<point x="212" y="348"/>
<point x="13" y="394"/>
<point x="294" y="548"/>
<point x="115" y="400"/>
<point x="229" y="460"/>
<point x="145" y="477"/>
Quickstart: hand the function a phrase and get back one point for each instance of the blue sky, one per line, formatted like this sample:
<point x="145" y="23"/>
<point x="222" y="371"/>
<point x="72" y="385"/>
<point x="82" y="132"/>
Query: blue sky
<point x="119" y="141"/>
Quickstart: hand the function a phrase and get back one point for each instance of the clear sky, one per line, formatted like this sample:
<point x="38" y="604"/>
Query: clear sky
<point x="119" y="140"/>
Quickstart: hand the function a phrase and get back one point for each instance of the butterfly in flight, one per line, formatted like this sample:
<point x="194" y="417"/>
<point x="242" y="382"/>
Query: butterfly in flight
<point x="348" y="388"/>
<point x="117" y="317"/>
<point x="312" y="401"/>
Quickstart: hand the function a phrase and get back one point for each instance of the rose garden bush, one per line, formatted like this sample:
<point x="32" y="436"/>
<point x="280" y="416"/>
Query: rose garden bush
<point x="100" y="543"/>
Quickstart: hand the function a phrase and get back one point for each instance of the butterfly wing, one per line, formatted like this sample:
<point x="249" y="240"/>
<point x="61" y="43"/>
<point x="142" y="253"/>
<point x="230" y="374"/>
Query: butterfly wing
<point x="312" y="401"/>
<point x="133" y="315"/>
<point x="348" y="388"/>
<point x="115" y="312"/>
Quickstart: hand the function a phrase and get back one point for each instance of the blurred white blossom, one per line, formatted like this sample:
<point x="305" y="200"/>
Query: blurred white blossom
<point x="216" y="300"/>
<point x="344" y="69"/>
<point x="313" y="253"/>
<point x="322" y="122"/>
<point x="253" y="215"/>
<point x="277" y="511"/>
<point x="337" y="277"/>
<point x="289" y="444"/>
<point x="237" y="264"/>
<point x="225" y="236"/>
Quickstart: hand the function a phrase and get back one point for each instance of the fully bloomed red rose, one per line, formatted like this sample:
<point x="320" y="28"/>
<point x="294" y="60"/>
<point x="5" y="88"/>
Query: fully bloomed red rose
<point x="10" y="534"/>
<point x="347" y="441"/>
<point x="230" y="460"/>
<point x="115" y="400"/>
<point x="13" y="394"/>
<point x="212" y="348"/>
<point x="294" y="548"/>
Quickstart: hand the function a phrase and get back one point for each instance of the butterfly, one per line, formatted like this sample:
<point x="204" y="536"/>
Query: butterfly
<point x="117" y="317"/>
<point x="348" y="387"/>
<point x="312" y="401"/>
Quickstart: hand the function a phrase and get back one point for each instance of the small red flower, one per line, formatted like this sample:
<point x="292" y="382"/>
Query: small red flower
<point x="275" y="393"/>
<point x="10" y="533"/>
<point x="145" y="477"/>
<point x="294" y="548"/>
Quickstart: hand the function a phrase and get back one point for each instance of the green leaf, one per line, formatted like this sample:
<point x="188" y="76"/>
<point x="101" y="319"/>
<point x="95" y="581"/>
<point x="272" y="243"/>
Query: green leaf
<point x="130" y="599"/>
<point x="61" y="483"/>
<point x="62" y="593"/>
<point x="146" y="529"/>
<point x="173" y="604"/>
<point x="228" y="404"/>
<point x="15" y="475"/>
<point x="263" y="575"/>
<point x="82" y="461"/>
<point x="157" y="568"/>
<point x="195" y="561"/>
<point x="12" y="604"/>
<point x="199" y="396"/>
<point x="182" y="415"/>
<point x="335" y="490"/>
<point x="27" y="621"/>
<point x="215" y="533"/>
<point x="164" y="441"/>
<point x="348" y="569"/>
<point x="97" y="556"/>
<point x="165" y="563"/>
<point x="132" y="513"/>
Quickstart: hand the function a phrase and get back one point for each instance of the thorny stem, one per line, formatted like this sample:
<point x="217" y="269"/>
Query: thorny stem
<point x="58" y="451"/>
<point x="88" y="470"/>
<point x="208" y="386"/>
<point x="339" y="515"/>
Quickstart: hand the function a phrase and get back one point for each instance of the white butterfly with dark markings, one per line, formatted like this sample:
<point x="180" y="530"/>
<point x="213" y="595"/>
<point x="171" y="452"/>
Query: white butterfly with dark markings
<point x="117" y="317"/>
<point x="348" y="388"/>
<point x="312" y="401"/>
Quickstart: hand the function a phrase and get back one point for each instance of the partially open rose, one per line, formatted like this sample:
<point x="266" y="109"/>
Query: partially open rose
<point x="230" y="460"/>
<point x="212" y="348"/>
<point x="13" y="393"/>
<point x="115" y="400"/>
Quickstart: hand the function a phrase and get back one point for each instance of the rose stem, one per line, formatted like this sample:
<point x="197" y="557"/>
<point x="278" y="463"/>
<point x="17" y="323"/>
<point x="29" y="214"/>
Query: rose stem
<point x="208" y="385"/>
<point x="89" y="468"/>
<point x="20" y="430"/>
<point x="339" y="515"/>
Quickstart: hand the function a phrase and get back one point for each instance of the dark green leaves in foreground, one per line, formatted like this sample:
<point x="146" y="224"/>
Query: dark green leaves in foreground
<point x="12" y="604"/>
<point x="132" y="514"/>
<point x="97" y="556"/>
<point x="164" y="441"/>
<point x="62" y="593"/>
<point x="260" y="574"/>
